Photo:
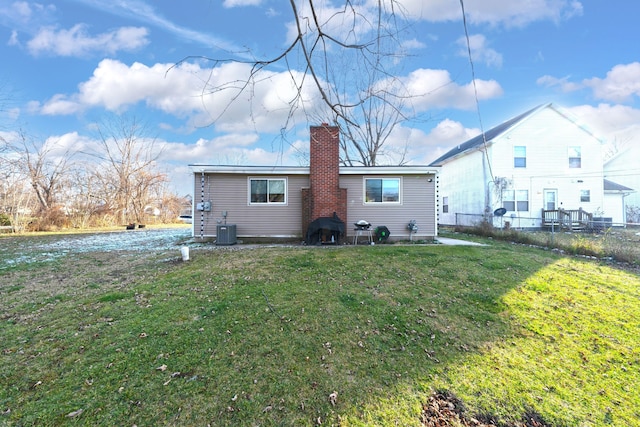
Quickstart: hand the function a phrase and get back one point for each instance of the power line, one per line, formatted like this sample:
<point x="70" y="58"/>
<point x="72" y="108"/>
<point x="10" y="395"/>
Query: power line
<point x="475" y="88"/>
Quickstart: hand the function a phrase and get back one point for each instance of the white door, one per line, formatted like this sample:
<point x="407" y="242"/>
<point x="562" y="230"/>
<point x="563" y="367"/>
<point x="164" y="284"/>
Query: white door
<point x="550" y="200"/>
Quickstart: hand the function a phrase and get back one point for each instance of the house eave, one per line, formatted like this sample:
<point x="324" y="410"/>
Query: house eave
<point x="304" y="170"/>
<point x="250" y="170"/>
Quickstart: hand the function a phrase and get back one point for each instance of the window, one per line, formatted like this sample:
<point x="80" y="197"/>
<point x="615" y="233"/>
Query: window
<point x="268" y="191"/>
<point x="519" y="156"/>
<point x="585" y="195"/>
<point x="445" y="205"/>
<point x="382" y="190"/>
<point x="516" y="200"/>
<point x="575" y="157"/>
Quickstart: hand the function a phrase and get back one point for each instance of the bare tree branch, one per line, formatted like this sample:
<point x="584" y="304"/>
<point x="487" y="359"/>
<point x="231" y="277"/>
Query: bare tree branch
<point x="367" y="40"/>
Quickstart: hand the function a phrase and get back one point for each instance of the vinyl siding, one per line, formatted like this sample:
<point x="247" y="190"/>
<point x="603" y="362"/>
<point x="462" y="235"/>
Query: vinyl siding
<point x="547" y="135"/>
<point x="418" y="203"/>
<point x="624" y="169"/>
<point x="464" y="185"/>
<point x="231" y="193"/>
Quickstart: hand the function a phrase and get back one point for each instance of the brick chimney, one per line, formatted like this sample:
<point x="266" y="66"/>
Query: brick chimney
<point x="324" y="177"/>
<point x="324" y="197"/>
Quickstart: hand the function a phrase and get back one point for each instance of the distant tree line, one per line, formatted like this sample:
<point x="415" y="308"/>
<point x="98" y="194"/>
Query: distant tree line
<point x="115" y="180"/>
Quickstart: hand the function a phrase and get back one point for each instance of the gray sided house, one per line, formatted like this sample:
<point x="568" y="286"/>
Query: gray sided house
<point x="318" y="204"/>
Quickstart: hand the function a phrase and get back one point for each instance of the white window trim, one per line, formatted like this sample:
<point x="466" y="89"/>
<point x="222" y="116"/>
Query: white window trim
<point x="578" y="149"/>
<point x="268" y="178"/>
<point x="364" y="191"/>
<point x="516" y="200"/>
<point x="519" y="157"/>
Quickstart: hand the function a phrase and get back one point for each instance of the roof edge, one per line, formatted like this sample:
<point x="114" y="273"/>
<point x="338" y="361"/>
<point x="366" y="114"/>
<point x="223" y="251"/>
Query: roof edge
<point x="305" y="170"/>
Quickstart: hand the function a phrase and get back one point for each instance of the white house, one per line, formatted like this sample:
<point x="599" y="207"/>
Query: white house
<point x="624" y="169"/>
<point x="542" y="160"/>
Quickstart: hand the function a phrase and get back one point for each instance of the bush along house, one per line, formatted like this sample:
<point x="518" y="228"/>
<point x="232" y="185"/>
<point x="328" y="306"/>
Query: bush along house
<point x="324" y="203"/>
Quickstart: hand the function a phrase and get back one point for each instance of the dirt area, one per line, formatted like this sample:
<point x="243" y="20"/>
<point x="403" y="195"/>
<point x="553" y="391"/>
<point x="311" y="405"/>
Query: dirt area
<point x="443" y="409"/>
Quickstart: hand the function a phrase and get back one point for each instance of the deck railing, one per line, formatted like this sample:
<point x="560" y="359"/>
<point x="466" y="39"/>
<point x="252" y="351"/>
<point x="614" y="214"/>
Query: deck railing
<point x="567" y="219"/>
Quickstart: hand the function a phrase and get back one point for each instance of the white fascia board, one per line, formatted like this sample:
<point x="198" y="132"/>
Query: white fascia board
<point x="304" y="170"/>
<point x="250" y="170"/>
<point x="389" y="170"/>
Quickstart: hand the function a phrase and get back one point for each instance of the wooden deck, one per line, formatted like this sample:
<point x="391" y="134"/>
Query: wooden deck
<point x="565" y="219"/>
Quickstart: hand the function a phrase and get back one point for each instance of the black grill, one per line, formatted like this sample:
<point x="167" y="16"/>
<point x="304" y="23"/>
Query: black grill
<point x="325" y="230"/>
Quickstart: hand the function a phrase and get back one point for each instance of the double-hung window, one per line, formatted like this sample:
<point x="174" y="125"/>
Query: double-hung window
<point x="382" y="190"/>
<point x="268" y="191"/>
<point x="519" y="156"/>
<point x="585" y="195"/>
<point x="575" y="157"/>
<point x="516" y="200"/>
<point x="445" y="204"/>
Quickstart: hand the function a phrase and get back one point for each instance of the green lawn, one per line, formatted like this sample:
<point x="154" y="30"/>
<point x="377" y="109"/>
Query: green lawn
<point x="349" y="336"/>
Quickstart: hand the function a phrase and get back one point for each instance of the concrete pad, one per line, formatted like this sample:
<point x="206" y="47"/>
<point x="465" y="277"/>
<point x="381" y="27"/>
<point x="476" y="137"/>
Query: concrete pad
<point x="449" y="241"/>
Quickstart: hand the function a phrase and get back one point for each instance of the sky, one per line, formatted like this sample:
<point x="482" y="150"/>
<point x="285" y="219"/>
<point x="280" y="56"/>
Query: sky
<point x="69" y="65"/>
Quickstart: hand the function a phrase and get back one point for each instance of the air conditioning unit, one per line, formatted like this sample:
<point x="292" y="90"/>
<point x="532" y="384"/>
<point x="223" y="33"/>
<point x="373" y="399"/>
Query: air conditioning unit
<point x="226" y="234"/>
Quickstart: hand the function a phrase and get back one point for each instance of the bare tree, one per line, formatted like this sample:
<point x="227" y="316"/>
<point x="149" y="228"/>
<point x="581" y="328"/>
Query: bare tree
<point x="348" y="55"/>
<point x="128" y="173"/>
<point x="377" y="115"/>
<point x="42" y="166"/>
<point x="46" y="166"/>
<point x="16" y="197"/>
<point x="83" y="205"/>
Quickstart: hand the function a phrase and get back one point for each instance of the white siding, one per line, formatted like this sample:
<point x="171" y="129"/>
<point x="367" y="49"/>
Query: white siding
<point x="615" y="209"/>
<point x="624" y="169"/>
<point x="547" y="135"/>
<point x="463" y="182"/>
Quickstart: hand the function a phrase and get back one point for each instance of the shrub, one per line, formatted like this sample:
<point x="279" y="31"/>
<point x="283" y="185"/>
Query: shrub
<point x="5" y="219"/>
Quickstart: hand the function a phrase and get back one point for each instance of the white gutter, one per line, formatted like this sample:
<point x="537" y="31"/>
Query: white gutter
<point x="304" y="170"/>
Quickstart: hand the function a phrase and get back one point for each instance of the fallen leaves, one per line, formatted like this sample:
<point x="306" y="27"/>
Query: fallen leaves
<point x="75" y="413"/>
<point x="333" y="398"/>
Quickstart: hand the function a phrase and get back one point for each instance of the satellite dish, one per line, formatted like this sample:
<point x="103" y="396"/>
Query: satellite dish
<point x="500" y="212"/>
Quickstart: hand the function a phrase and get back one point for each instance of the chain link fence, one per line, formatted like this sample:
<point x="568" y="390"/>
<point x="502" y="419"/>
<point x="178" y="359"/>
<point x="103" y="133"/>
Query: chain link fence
<point x="518" y="222"/>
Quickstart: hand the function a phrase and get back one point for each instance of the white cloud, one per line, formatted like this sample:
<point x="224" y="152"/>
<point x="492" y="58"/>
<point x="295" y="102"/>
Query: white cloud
<point x="416" y="147"/>
<point x="621" y="84"/>
<point x="413" y="44"/>
<point x="480" y="50"/>
<point x="77" y="42"/>
<point x="494" y="12"/>
<point x="13" y="40"/>
<point x="237" y="3"/>
<point x="562" y="83"/>
<point x="429" y="89"/>
<point x="11" y="136"/>
<point x="619" y="123"/>
<point x="447" y="134"/>
<point x="179" y="91"/>
<point x="115" y="86"/>
<point x="219" y="150"/>
<point x="22" y="13"/>
<point x="142" y="11"/>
